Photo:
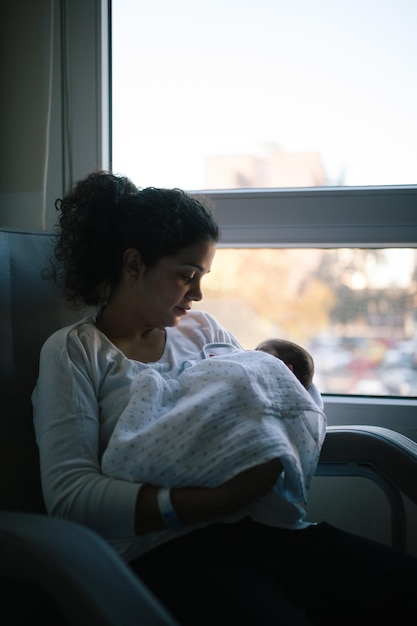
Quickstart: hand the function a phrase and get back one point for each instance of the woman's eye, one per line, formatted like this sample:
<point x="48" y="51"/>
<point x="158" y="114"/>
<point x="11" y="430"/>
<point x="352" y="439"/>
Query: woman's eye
<point x="188" y="279"/>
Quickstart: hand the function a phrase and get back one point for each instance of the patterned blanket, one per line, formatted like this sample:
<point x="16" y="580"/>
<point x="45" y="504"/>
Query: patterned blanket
<point x="221" y="416"/>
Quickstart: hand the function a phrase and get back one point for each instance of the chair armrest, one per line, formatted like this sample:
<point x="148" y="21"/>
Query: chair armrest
<point x="380" y="454"/>
<point x="83" y="576"/>
<point x="393" y="455"/>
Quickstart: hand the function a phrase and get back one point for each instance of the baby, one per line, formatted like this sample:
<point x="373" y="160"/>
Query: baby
<point x="297" y="359"/>
<point x="294" y="356"/>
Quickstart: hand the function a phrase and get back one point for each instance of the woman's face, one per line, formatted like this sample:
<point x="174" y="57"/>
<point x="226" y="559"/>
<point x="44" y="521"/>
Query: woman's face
<point x="168" y="289"/>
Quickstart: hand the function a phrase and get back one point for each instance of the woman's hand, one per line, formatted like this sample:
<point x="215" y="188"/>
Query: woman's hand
<point x="251" y="483"/>
<point x="198" y="504"/>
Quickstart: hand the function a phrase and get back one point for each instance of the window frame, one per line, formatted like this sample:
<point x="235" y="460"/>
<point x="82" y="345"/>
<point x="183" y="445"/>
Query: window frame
<point x="322" y="217"/>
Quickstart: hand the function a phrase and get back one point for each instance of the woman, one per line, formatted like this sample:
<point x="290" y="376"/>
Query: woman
<point x="138" y="257"/>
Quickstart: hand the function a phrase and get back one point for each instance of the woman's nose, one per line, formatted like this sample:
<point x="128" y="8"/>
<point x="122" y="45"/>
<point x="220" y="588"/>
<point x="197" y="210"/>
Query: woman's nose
<point x="196" y="292"/>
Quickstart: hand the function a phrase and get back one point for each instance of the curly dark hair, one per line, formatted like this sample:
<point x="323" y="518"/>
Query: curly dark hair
<point x="104" y="215"/>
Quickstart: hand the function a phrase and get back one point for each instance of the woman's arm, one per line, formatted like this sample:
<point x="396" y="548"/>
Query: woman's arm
<point x="194" y="505"/>
<point x="66" y="420"/>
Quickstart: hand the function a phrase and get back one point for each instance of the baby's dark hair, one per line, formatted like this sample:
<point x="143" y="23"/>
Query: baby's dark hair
<point x="104" y="215"/>
<point x="292" y="354"/>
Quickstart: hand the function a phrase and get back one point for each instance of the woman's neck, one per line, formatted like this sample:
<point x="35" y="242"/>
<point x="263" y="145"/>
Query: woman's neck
<point x="140" y="344"/>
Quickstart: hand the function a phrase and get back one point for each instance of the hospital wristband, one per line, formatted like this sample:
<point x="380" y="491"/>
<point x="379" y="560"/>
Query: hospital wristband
<point x="166" y="509"/>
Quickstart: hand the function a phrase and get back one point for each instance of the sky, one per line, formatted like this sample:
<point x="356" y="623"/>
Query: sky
<point x="193" y="78"/>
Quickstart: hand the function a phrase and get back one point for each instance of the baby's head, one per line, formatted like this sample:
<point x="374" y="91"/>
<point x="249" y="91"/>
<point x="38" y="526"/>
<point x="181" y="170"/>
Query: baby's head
<point x="294" y="356"/>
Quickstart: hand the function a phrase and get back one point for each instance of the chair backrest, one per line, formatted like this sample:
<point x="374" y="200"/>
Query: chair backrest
<point x="30" y="310"/>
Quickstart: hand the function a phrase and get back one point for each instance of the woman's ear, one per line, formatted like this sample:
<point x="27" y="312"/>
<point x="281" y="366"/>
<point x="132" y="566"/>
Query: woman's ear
<point x="131" y="262"/>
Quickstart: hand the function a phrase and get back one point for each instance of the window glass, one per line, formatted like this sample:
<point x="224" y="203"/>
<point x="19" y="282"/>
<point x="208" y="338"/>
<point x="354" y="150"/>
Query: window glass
<point x="353" y="309"/>
<point x="239" y="94"/>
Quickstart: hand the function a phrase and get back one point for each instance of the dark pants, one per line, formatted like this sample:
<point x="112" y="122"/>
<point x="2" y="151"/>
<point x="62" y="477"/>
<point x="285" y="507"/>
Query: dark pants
<point x="249" y="574"/>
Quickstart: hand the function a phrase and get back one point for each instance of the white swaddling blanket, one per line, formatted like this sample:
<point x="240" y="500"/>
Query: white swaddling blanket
<point x="221" y="416"/>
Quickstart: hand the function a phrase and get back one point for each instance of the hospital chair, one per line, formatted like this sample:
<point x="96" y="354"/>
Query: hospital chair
<point x="65" y="569"/>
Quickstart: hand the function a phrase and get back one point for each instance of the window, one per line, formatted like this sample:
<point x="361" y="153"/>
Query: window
<point x="352" y="308"/>
<point x="298" y="120"/>
<point x="240" y="94"/>
<point x="333" y="269"/>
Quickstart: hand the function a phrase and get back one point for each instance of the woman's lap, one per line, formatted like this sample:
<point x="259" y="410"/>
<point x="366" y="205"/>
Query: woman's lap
<point x="246" y="573"/>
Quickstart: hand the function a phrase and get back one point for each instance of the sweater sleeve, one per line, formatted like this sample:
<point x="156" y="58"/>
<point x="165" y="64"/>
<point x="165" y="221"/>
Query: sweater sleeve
<point x="66" y="421"/>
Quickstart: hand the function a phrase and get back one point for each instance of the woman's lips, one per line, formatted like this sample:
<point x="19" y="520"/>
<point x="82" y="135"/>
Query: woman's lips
<point x="184" y="310"/>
